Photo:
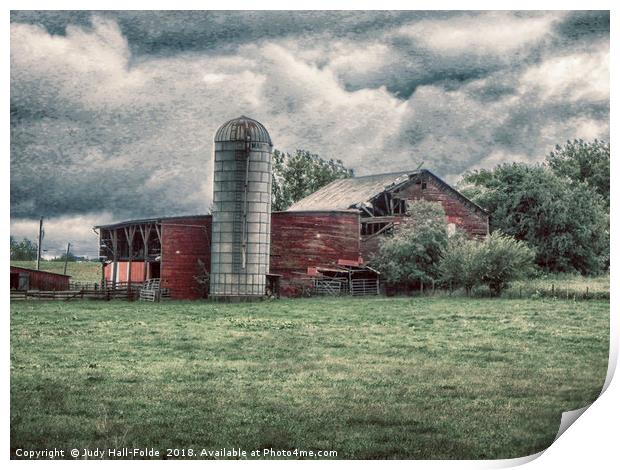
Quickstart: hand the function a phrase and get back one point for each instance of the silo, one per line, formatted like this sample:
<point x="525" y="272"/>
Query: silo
<point x="241" y="209"/>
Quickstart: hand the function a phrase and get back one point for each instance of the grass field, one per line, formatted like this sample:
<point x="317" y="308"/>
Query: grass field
<point x="82" y="272"/>
<point x="369" y="378"/>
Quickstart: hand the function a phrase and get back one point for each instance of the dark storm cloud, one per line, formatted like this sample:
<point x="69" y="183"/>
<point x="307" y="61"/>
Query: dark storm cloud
<point x="113" y="113"/>
<point x="585" y="25"/>
<point x="172" y="32"/>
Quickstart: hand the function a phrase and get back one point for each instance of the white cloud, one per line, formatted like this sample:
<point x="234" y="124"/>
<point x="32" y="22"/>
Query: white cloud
<point x="488" y="33"/>
<point x="59" y="230"/>
<point x="572" y="77"/>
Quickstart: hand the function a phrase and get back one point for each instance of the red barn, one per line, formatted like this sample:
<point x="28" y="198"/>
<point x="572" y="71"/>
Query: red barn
<point x="328" y="234"/>
<point x="31" y="279"/>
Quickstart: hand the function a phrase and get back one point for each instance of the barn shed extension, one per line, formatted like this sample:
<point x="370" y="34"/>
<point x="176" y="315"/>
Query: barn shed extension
<point x="165" y="248"/>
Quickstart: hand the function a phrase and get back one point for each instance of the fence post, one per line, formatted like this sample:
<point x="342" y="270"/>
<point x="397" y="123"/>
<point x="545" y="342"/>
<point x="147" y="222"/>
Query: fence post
<point x="552" y="290"/>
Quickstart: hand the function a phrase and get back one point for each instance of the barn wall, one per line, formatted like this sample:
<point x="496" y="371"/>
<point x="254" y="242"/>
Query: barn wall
<point x="138" y="273"/>
<point x="300" y="240"/>
<point x="43" y="280"/>
<point x="184" y="241"/>
<point x="458" y="212"/>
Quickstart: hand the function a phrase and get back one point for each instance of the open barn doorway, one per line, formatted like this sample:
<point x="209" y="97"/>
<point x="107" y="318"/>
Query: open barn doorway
<point x="154" y="270"/>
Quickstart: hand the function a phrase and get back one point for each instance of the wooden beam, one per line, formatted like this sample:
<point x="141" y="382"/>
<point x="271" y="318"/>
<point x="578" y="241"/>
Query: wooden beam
<point x="114" y="236"/>
<point x="158" y="230"/>
<point x="145" y="231"/>
<point x="130" y="232"/>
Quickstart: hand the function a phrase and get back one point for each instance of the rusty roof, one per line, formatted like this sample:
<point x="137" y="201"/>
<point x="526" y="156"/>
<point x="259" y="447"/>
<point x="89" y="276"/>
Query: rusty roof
<point x="350" y="193"/>
<point x="244" y="129"/>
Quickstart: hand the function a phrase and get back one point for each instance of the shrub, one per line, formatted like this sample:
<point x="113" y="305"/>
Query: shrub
<point x="504" y="259"/>
<point x="494" y="262"/>
<point x="460" y="263"/>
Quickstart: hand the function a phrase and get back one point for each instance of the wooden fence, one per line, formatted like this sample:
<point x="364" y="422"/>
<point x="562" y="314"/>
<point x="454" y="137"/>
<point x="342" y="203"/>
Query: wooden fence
<point x="105" y="294"/>
<point x="150" y="291"/>
<point x="365" y="287"/>
<point x="357" y="287"/>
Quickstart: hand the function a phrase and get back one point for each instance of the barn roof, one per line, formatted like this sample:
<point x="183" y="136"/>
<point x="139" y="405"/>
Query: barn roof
<point x="348" y="193"/>
<point x="152" y="220"/>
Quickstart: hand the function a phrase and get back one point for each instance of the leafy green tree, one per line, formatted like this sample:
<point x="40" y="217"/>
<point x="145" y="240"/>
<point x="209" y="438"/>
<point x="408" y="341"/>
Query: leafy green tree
<point x="25" y="250"/>
<point x="587" y="162"/>
<point x="566" y="222"/>
<point x="70" y="257"/>
<point x="411" y="255"/>
<point x="297" y="176"/>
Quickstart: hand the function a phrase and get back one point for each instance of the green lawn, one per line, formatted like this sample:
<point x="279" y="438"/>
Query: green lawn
<point x="370" y="378"/>
<point x="82" y="272"/>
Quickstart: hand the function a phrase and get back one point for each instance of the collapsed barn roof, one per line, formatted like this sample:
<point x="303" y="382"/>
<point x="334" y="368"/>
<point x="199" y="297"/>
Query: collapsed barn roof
<point x="349" y="193"/>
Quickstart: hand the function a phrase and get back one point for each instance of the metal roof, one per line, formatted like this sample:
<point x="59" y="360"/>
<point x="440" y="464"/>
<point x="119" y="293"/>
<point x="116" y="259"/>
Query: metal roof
<point x="243" y="129"/>
<point x="153" y="220"/>
<point x="346" y="193"/>
<point x="351" y="192"/>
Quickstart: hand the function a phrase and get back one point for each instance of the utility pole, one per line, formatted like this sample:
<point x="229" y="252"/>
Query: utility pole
<point x="67" y="257"/>
<point x="40" y="241"/>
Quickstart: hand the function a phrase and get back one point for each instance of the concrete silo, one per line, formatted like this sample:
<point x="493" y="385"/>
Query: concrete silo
<point x="241" y="209"/>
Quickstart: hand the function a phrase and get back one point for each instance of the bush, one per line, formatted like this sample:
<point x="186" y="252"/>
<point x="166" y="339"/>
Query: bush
<point x="494" y="262"/>
<point x="504" y="259"/>
<point x="411" y="255"/>
<point x="459" y="265"/>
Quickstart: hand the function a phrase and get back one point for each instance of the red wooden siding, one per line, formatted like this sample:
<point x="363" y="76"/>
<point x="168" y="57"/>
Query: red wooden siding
<point x="458" y="212"/>
<point x="302" y="240"/>
<point x="44" y="280"/>
<point x="137" y="271"/>
<point x="184" y="241"/>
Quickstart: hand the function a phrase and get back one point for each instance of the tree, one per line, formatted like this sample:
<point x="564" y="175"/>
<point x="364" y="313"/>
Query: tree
<point x="69" y="257"/>
<point x="25" y="250"/>
<point x="566" y="222"/>
<point x="586" y="162"/>
<point x="495" y="261"/>
<point x="297" y="176"/>
<point x="411" y="255"/>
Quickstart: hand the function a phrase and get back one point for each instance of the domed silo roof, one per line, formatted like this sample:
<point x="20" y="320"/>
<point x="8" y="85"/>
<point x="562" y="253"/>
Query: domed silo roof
<point x="244" y="129"/>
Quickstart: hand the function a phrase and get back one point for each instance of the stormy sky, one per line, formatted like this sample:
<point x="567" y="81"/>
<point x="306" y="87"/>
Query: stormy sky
<point x="113" y="113"/>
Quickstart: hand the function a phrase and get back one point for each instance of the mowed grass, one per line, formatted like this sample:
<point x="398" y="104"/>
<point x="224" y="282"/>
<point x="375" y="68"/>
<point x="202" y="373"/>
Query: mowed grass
<point x="86" y="271"/>
<point x="434" y="378"/>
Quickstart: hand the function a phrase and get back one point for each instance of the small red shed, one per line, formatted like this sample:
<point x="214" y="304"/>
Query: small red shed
<point x="31" y="279"/>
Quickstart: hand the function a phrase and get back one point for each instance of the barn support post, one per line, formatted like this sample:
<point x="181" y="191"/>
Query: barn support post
<point x="114" y="235"/>
<point x="145" y="231"/>
<point x="129" y="235"/>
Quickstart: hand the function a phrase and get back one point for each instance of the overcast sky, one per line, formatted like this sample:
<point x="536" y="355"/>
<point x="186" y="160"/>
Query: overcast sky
<point x="113" y="113"/>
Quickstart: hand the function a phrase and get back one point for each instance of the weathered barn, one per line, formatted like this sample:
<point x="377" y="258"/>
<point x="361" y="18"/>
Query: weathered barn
<point x="327" y="235"/>
<point x="31" y="279"/>
<point x="381" y="201"/>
